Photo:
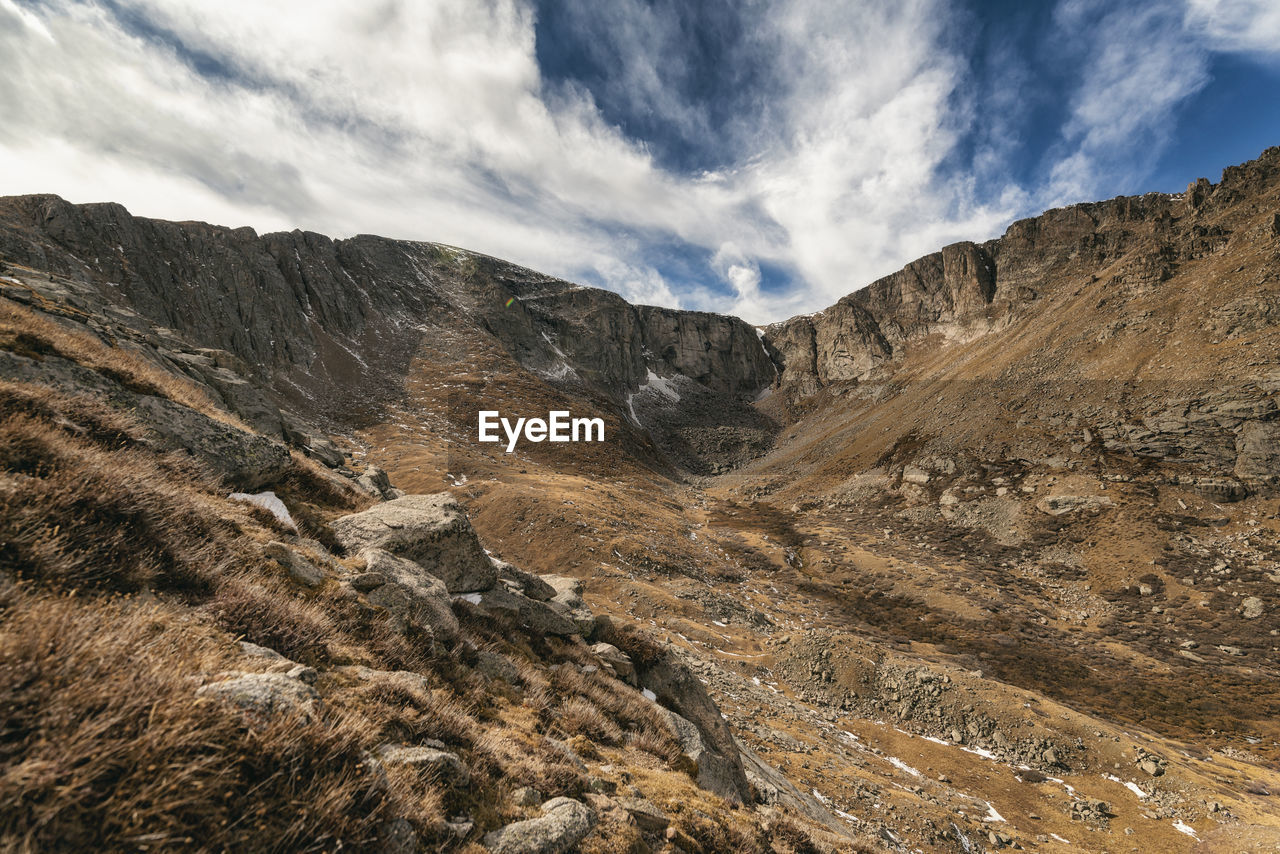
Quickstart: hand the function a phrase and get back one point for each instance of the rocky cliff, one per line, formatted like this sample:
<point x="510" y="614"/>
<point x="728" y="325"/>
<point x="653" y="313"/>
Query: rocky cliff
<point x="330" y="326"/>
<point x="967" y="289"/>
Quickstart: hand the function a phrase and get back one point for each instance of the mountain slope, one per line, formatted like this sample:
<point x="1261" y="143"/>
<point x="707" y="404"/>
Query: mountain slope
<point x="988" y="543"/>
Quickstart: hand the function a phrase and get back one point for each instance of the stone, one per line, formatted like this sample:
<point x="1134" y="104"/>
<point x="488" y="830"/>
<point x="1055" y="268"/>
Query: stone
<point x="530" y="585"/>
<point x="679" y="690"/>
<point x="1252" y="608"/>
<point x="265" y="694"/>
<point x="558" y="831"/>
<point x="367" y="581"/>
<point x="915" y="474"/>
<point x="447" y="767"/>
<point x="411" y="594"/>
<point x="647" y="817"/>
<point x="430" y="530"/>
<point x="495" y="665"/>
<point x="616" y="660"/>
<point x="300" y="569"/>
<point x="1058" y="505"/>
<point x="303" y="673"/>
<point x="260" y="651"/>
<point x="526" y="796"/>
<point x="536" y="616"/>
<point x="325" y="451"/>
<point x="397" y="836"/>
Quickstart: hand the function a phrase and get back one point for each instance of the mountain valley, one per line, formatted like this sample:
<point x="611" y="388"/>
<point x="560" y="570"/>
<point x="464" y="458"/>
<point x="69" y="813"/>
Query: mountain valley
<point x="986" y="555"/>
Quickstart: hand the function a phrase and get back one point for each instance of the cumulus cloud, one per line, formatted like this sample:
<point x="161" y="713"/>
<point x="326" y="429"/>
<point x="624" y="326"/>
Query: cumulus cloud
<point x="434" y="121"/>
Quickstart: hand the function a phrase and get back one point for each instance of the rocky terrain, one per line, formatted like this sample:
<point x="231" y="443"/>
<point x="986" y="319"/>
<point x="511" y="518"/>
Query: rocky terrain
<point x="983" y="556"/>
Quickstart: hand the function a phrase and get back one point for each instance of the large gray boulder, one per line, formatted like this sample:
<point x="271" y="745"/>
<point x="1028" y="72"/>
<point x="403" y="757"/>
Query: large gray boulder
<point x="560" y="828"/>
<point x="410" y="593"/>
<point x="540" y="617"/>
<point x="430" y="530"/>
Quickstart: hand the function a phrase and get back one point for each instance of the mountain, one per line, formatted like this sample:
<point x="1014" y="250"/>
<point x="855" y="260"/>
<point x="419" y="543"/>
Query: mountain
<point x="983" y="555"/>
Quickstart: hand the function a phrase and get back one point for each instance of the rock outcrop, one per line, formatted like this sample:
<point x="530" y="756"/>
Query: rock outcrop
<point x="430" y="530"/>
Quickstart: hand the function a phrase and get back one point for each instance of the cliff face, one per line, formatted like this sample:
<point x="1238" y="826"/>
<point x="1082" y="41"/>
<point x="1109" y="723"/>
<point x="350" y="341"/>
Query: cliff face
<point x="334" y="324"/>
<point x="967" y="289"/>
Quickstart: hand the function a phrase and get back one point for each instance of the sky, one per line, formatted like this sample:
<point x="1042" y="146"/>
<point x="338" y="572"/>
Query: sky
<point x="755" y="158"/>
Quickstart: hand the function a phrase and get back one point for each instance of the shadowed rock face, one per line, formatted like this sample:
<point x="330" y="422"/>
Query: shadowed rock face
<point x="319" y="317"/>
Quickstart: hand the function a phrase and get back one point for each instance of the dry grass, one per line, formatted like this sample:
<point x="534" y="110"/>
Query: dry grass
<point x="134" y="577"/>
<point x="104" y="746"/>
<point x="74" y="513"/>
<point x="270" y="613"/>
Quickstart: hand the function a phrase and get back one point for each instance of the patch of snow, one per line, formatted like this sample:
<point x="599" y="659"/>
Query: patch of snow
<point x="649" y="695"/>
<point x="902" y="766"/>
<point x="936" y="740"/>
<point x="979" y="751"/>
<point x="720" y="624"/>
<point x="473" y="598"/>
<point x="660" y="385"/>
<point x="1060" y="839"/>
<point x="268" y="501"/>
<point x="562" y="371"/>
<point x="1185" y="828"/>
<point x="1131" y="786"/>
<point x="992" y="815"/>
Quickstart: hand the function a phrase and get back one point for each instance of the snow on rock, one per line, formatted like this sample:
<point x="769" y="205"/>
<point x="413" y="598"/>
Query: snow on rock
<point x="268" y="501"/>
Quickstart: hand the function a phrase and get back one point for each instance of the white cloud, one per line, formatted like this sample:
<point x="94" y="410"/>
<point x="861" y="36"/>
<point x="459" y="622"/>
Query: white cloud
<point x="1238" y="26"/>
<point x="431" y="121"/>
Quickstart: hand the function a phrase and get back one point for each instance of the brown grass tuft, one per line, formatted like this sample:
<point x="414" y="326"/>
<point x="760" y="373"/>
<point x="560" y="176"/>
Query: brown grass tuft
<point x="270" y="613"/>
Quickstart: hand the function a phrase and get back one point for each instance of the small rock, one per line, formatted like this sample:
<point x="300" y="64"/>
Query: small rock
<point x="648" y="817"/>
<point x="266" y="694"/>
<point x="526" y="796"/>
<point x="448" y="766"/>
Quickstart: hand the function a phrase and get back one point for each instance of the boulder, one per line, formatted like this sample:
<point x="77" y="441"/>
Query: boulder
<point x="410" y="593"/>
<point x="677" y="689"/>
<point x="300" y="569"/>
<point x="568" y="601"/>
<point x="530" y="585"/>
<point x="536" y="616"/>
<point x="325" y="451"/>
<point x="647" y="817"/>
<point x="617" y="661"/>
<point x="430" y="530"/>
<point x="1252" y="608"/>
<point x="561" y="827"/>
<point x="495" y="665"/>
<point x="1258" y="452"/>
<point x="265" y="694"/>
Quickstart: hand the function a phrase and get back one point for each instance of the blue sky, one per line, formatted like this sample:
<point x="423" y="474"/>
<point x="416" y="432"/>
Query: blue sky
<point x="758" y="158"/>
